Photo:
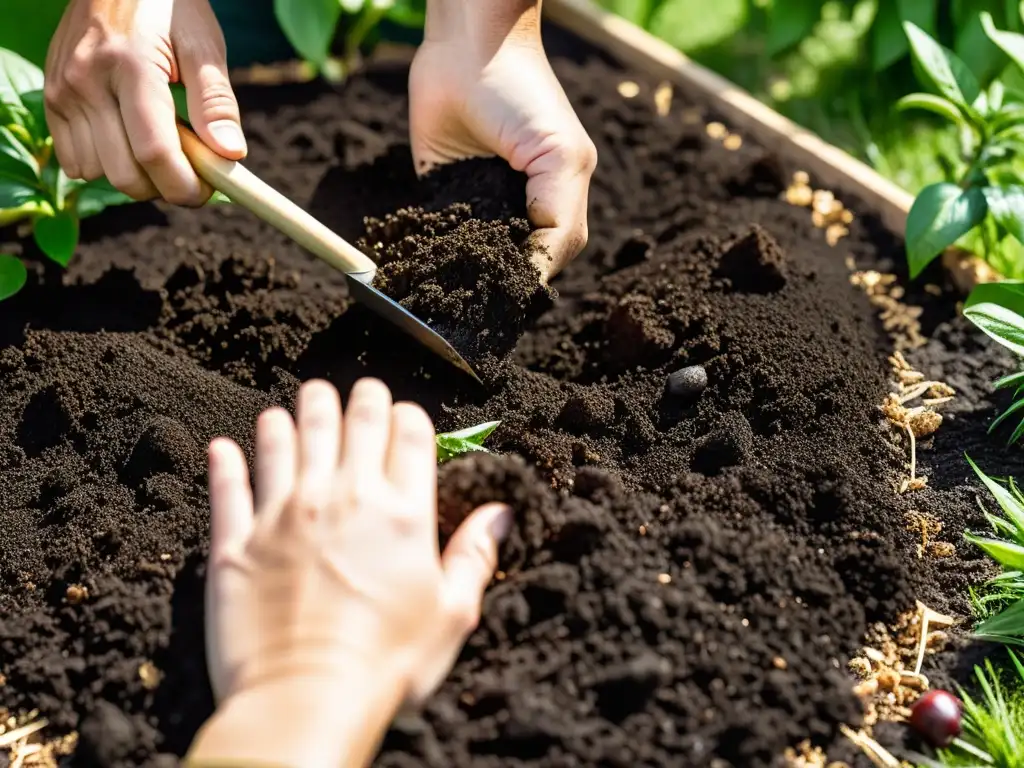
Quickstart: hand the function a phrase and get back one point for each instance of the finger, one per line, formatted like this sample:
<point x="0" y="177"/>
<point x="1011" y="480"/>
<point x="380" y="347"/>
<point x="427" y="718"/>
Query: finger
<point x="212" y="106"/>
<point x="469" y="562"/>
<point x="121" y="168"/>
<point x="88" y="160"/>
<point x="411" y="463"/>
<point x="557" y="191"/>
<point x="276" y="460"/>
<point x="367" y="428"/>
<point x="318" y="417"/>
<point x="63" y="145"/>
<point x="230" y="497"/>
<point x="147" y="109"/>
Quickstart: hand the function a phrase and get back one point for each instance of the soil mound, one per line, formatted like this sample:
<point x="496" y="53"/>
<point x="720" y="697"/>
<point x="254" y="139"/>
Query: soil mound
<point x="688" y="576"/>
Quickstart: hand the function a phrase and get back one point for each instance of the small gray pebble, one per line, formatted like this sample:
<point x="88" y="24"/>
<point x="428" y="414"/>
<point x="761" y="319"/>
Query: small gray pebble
<point x="688" y="382"/>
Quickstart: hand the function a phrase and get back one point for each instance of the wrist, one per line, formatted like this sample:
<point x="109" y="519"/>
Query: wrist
<point x="485" y="24"/>
<point x="296" y="722"/>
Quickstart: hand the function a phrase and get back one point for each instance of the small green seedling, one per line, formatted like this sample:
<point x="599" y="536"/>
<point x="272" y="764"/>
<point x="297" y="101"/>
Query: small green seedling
<point x="452" y="444"/>
<point x="998" y="310"/>
<point x="32" y="185"/>
<point x="1006" y="547"/>
<point x="993" y="726"/>
<point x="311" y="27"/>
<point x="981" y="205"/>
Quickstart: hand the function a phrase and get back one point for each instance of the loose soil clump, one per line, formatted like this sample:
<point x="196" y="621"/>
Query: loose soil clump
<point x="688" y="577"/>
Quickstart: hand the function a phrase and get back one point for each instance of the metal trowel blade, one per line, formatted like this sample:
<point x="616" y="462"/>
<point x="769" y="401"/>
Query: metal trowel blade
<point x="395" y="313"/>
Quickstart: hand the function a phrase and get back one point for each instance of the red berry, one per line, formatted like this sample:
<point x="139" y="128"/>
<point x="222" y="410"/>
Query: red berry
<point x="936" y="716"/>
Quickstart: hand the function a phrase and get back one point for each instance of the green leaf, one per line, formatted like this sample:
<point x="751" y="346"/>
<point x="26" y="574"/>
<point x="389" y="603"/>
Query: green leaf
<point x="1006" y="414"/>
<point x="790" y="22"/>
<point x="971" y="44"/>
<point x="1010" y="503"/>
<point x="94" y="196"/>
<point x="931" y="103"/>
<point x="1007" y="554"/>
<point x="452" y="444"/>
<point x="309" y="25"/>
<point x="17" y="76"/>
<point x="1006" y="205"/>
<point x="940" y="215"/>
<point x="1012" y="380"/>
<point x="14" y="194"/>
<point x="218" y="198"/>
<point x="1011" y="43"/>
<point x="12" y="275"/>
<point x="1009" y="623"/>
<point x="57" y="236"/>
<point x="15" y="159"/>
<point x="888" y="41"/>
<point x="946" y="71"/>
<point x="998" y="310"/>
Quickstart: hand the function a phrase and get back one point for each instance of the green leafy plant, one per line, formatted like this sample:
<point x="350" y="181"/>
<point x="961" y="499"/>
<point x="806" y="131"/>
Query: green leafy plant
<point x="452" y="444"/>
<point x="985" y="197"/>
<point x="32" y="185"/>
<point x="1006" y="547"/>
<point x="993" y="725"/>
<point x="998" y="310"/>
<point x="311" y="26"/>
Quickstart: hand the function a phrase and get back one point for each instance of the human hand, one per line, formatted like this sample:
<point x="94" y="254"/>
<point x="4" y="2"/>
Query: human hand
<point x="335" y="589"/>
<point x="481" y="85"/>
<point x="108" y="102"/>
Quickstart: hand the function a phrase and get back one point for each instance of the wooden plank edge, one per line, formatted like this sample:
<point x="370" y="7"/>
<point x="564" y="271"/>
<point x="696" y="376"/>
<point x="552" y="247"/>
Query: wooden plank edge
<point x="828" y="165"/>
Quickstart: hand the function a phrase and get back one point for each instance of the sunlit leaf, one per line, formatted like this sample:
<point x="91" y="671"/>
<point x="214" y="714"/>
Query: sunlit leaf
<point x="17" y="76"/>
<point x="932" y="103"/>
<point x="452" y="444"/>
<point x="940" y="215"/>
<point x="1011" y="43"/>
<point x="1006" y="205"/>
<point x="946" y="71"/>
<point x="998" y="310"/>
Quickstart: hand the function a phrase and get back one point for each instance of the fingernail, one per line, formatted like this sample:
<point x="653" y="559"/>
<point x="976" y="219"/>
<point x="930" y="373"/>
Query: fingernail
<point x="228" y="135"/>
<point x="501" y="524"/>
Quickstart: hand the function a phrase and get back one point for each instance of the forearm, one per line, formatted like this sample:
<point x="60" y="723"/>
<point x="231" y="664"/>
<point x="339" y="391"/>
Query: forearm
<point x="298" y="723"/>
<point x="485" y="22"/>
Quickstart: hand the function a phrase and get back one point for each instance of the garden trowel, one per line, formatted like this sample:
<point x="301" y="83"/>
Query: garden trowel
<point x="252" y="193"/>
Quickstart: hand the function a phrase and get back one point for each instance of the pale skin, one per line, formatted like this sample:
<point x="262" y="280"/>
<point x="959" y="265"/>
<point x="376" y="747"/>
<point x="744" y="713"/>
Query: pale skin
<point x="329" y="606"/>
<point x="480" y="85"/>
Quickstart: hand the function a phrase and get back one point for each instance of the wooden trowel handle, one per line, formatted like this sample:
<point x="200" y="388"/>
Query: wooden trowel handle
<point x="252" y="193"/>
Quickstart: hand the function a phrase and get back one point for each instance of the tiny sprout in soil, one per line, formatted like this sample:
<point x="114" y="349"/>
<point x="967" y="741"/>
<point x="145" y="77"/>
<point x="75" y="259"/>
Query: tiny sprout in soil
<point x="452" y="444"/>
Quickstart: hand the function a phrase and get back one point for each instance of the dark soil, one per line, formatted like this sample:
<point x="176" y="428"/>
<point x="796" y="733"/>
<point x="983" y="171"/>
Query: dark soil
<point x="465" y="268"/>
<point x="670" y="550"/>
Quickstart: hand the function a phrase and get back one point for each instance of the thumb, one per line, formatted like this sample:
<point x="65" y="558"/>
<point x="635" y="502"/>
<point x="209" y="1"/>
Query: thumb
<point x="212" y="106"/>
<point x="470" y="559"/>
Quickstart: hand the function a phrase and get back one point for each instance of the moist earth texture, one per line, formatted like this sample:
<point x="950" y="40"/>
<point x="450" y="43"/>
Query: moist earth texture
<point x="693" y="566"/>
